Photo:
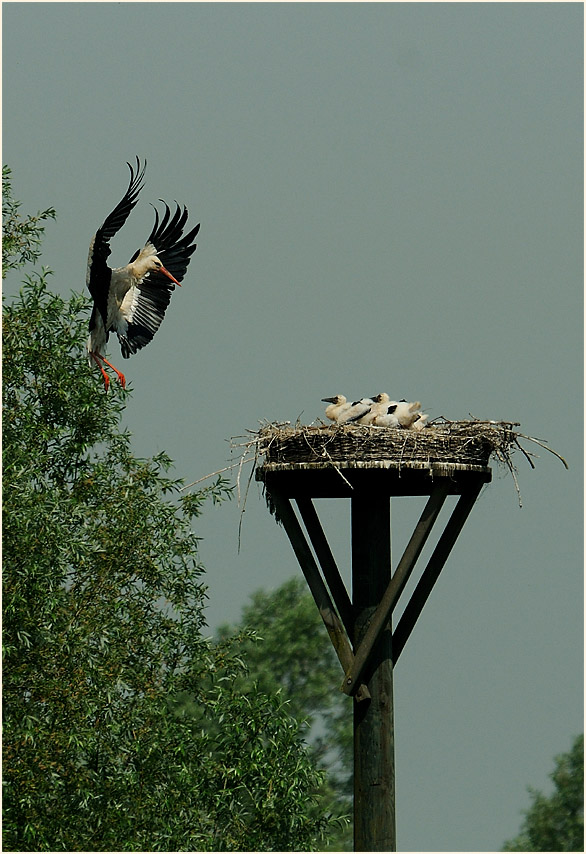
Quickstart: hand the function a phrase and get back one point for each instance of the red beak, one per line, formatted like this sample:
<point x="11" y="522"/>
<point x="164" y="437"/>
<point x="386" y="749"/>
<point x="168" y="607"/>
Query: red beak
<point x="168" y="274"/>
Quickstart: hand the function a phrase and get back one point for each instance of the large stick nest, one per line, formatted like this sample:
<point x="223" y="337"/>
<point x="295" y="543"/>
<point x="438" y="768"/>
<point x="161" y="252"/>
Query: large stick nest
<point x="441" y="446"/>
<point x="467" y="443"/>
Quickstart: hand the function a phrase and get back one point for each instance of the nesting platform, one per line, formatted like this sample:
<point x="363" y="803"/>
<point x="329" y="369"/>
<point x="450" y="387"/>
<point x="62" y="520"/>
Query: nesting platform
<point x="334" y="461"/>
<point x="369" y="465"/>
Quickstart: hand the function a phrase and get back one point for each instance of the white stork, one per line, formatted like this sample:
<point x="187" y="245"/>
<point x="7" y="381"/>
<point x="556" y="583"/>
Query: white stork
<point x="388" y="419"/>
<point x="337" y="408"/>
<point x="407" y="413"/>
<point x="393" y="413"/>
<point x="343" y="412"/>
<point x="131" y="301"/>
<point x="421" y="422"/>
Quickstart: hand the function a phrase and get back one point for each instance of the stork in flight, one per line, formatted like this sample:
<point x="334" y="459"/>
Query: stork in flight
<point x="131" y="301"/>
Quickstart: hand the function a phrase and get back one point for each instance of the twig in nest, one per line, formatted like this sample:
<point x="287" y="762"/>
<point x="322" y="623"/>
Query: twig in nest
<point x="526" y="454"/>
<point x="542" y="445"/>
<point x="245" y="494"/>
<point x="511" y="467"/>
<point x="342" y="475"/>
<point x="213" y="474"/>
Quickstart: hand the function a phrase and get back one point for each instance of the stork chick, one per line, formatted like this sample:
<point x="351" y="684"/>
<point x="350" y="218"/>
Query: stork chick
<point x="421" y="422"/>
<point x="380" y="406"/>
<point x="342" y="412"/>
<point x="338" y="406"/>
<point x="393" y="413"/>
<point x="407" y="413"/>
<point x="387" y="419"/>
<point x="360" y="411"/>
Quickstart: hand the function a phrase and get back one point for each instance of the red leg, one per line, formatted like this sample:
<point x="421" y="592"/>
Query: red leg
<point x="96" y="357"/>
<point x="104" y="374"/>
<point x="121" y="376"/>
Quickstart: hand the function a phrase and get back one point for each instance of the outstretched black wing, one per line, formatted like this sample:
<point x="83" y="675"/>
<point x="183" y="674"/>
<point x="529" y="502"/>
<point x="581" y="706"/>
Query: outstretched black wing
<point x="173" y="248"/>
<point x="154" y="292"/>
<point x="98" y="273"/>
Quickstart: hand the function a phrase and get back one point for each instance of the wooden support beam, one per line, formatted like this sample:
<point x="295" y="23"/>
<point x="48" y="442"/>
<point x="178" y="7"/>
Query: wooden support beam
<point x="374" y="773"/>
<point x="434" y="567"/>
<point x="332" y="622"/>
<point x="327" y="562"/>
<point x="395" y="587"/>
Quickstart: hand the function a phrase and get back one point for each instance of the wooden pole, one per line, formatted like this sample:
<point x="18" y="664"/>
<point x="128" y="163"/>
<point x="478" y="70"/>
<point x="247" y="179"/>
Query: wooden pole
<point x="374" y="772"/>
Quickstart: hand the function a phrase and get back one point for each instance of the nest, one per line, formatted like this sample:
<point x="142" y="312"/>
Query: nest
<point x="442" y="447"/>
<point x="460" y="443"/>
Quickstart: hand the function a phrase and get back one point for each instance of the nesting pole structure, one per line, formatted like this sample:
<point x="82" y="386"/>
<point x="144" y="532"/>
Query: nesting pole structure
<point x="368" y="467"/>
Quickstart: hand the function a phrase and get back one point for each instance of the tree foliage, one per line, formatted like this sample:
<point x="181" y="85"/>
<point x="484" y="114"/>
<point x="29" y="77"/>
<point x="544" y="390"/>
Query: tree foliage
<point x="288" y="650"/>
<point x="124" y="727"/>
<point x="21" y="238"/>
<point x="556" y="823"/>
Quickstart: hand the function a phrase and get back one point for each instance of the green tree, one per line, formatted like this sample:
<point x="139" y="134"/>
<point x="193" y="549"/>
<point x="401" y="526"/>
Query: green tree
<point x="103" y="651"/>
<point x="21" y="238"/>
<point x="556" y="823"/>
<point x="288" y="650"/>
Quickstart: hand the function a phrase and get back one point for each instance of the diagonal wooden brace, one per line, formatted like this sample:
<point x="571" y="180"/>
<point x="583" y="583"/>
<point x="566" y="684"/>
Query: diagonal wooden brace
<point x="338" y="637"/>
<point x="395" y="587"/>
<point x="327" y="562"/>
<point x="434" y="567"/>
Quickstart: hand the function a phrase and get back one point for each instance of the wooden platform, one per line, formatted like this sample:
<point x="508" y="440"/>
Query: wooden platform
<point x="383" y="477"/>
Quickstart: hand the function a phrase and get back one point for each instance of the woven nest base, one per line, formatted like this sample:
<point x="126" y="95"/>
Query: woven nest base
<point x="460" y="445"/>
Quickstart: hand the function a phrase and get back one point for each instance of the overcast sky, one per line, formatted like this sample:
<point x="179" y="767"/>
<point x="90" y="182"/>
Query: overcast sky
<point x="391" y="200"/>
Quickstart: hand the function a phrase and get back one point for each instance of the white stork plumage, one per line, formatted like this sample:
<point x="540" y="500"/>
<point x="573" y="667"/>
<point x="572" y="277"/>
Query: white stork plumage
<point x="343" y="412"/>
<point x="131" y="301"/>
<point x="338" y="406"/>
<point x="421" y="422"/>
<point x="394" y="413"/>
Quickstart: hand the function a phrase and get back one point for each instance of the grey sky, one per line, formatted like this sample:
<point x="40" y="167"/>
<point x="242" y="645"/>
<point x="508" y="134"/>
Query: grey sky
<point x="391" y="199"/>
